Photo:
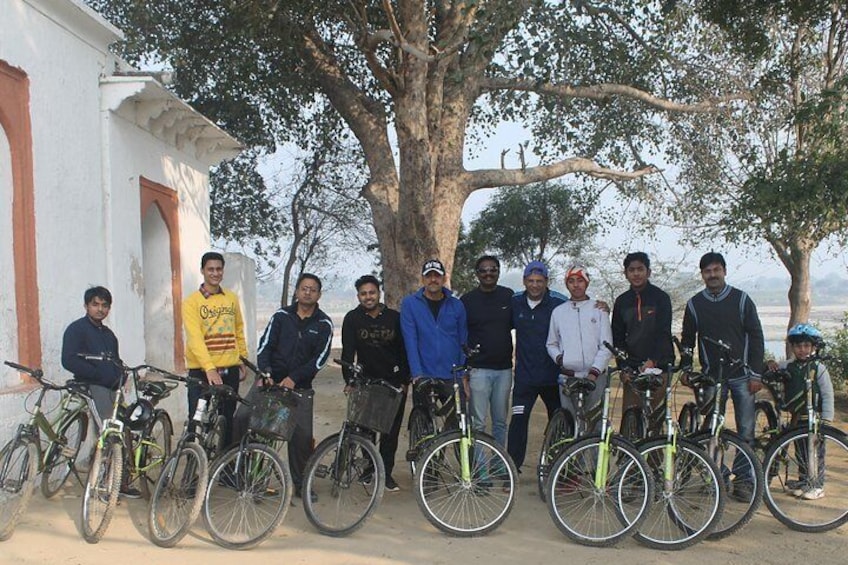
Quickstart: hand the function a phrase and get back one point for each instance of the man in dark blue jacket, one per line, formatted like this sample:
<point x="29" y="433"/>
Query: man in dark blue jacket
<point x="434" y="327"/>
<point x="535" y="372"/>
<point x="293" y="348"/>
<point x="89" y="335"/>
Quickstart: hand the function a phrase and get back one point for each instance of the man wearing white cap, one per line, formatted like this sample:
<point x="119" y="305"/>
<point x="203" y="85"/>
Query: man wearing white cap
<point x="577" y="334"/>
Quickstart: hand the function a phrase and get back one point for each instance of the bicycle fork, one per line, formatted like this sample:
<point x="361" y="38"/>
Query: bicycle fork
<point x="602" y="466"/>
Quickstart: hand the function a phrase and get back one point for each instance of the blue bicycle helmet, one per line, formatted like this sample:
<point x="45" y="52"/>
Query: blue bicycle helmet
<point x="804" y="332"/>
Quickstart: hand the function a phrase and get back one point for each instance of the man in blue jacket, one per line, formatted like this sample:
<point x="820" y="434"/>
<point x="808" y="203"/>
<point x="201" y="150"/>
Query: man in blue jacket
<point x="535" y="372"/>
<point x="434" y="328"/>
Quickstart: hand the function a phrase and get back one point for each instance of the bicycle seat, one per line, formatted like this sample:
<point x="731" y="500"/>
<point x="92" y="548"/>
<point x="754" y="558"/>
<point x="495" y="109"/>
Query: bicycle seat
<point x="156" y="390"/>
<point x="647" y="381"/>
<point x="577" y="385"/>
<point x="700" y="380"/>
<point x="77" y="387"/>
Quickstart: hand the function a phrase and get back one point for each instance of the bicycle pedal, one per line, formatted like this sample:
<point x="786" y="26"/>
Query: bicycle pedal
<point x="321" y="471"/>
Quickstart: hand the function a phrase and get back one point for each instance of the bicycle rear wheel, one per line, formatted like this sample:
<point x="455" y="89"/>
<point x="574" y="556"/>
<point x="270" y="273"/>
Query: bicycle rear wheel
<point x="61" y="456"/>
<point x="559" y="430"/>
<point x="155" y="449"/>
<point x="18" y="470"/>
<point x="765" y="427"/>
<point x="248" y="495"/>
<point x="178" y="496"/>
<point x="467" y="507"/>
<point x="599" y="515"/>
<point x="688" y="506"/>
<point x="347" y="481"/>
<point x="826" y="507"/>
<point x="101" y="490"/>
<point x="213" y="441"/>
<point x="420" y="426"/>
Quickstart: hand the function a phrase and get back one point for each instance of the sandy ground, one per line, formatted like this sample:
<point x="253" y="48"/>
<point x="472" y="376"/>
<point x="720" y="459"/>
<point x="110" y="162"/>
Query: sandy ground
<point x="397" y="533"/>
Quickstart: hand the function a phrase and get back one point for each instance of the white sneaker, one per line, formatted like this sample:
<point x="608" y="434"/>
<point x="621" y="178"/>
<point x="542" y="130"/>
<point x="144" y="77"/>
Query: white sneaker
<point x="795" y="488"/>
<point x="813" y="493"/>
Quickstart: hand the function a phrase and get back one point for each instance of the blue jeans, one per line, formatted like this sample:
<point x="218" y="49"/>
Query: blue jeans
<point x="490" y="390"/>
<point x="744" y="414"/>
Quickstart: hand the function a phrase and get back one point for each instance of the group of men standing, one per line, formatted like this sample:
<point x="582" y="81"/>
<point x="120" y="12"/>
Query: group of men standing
<point x="554" y="335"/>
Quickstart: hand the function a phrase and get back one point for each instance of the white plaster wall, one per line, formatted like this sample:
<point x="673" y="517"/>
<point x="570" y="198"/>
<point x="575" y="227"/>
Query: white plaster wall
<point x="8" y="314"/>
<point x="240" y="276"/>
<point x="158" y="296"/>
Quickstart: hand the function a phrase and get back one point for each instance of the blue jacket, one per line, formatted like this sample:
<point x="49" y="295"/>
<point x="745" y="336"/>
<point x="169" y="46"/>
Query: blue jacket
<point x="84" y="336"/>
<point x="433" y="345"/>
<point x="533" y="365"/>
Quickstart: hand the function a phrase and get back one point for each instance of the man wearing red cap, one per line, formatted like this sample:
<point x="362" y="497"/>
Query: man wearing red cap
<point x="577" y="334"/>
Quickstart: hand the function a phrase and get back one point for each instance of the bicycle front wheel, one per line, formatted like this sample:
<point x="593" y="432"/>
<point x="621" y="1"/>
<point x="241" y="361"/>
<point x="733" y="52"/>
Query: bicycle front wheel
<point x="345" y="482"/>
<point x="808" y="496"/>
<point x="248" y="496"/>
<point x="18" y="470"/>
<point x="155" y="449"/>
<point x="742" y="474"/>
<point x="558" y="432"/>
<point x="469" y="502"/>
<point x="598" y="509"/>
<point x="688" y="499"/>
<point x="61" y="456"/>
<point x="101" y="490"/>
<point x="178" y="496"/>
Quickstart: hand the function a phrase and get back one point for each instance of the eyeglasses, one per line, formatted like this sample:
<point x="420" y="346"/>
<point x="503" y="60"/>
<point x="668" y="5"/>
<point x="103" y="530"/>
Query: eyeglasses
<point x="488" y="270"/>
<point x="309" y="289"/>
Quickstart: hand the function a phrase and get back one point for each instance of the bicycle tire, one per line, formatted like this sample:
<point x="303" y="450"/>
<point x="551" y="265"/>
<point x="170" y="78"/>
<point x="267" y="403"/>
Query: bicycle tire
<point x="348" y="481"/>
<point x="599" y="517"/>
<point x="559" y="426"/>
<point x="744" y="494"/>
<point x="685" y="511"/>
<point x="248" y="495"/>
<point x="101" y="489"/>
<point x="420" y="426"/>
<point x="783" y="462"/>
<point x="765" y="426"/>
<point x="18" y="470"/>
<point x="689" y="419"/>
<point x="178" y="497"/>
<point x="465" y="508"/>
<point x="61" y="457"/>
<point x="155" y="450"/>
<point x="633" y="425"/>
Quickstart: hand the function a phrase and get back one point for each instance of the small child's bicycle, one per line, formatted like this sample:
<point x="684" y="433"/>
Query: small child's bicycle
<point x="465" y="482"/>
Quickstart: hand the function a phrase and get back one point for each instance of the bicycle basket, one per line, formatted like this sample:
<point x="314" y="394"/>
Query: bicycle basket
<point x="273" y="413"/>
<point x="374" y="406"/>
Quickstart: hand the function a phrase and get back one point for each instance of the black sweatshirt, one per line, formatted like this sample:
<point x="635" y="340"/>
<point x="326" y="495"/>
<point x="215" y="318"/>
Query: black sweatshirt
<point x="376" y="344"/>
<point x="489" y="317"/>
<point x="641" y="325"/>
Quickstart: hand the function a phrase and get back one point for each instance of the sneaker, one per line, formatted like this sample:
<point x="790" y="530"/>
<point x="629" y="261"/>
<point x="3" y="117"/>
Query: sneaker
<point x="391" y="485"/>
<point x="795" y="488"/>
<point x="813" y="493"/>
<point x="743" y="490"/>
<point x="129" y="492"/>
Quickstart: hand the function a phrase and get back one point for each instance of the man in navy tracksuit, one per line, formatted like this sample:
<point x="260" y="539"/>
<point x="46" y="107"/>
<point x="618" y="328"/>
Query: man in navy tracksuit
<point x="434" y="328"/>
<point x="535" y="372"/>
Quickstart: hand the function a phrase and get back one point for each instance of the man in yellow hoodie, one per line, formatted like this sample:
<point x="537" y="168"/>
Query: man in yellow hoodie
<point x="214" y="330"/>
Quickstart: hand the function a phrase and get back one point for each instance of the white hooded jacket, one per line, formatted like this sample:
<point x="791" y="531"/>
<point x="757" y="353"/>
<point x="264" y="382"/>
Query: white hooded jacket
<point x="578" y="331"/>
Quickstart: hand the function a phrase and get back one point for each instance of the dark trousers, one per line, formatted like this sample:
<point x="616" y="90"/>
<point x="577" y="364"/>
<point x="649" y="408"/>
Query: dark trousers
<point x="226" y="406"/>
<point x="523" y="398"/>
<point x="389" y="441"/>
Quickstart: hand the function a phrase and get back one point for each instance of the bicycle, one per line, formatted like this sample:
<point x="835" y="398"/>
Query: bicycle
<point x="600" y="488"/>
<point x="179" y="493"/>
<point x="563" y="428"/>
<point x="428" y="420"/>
<point x="142" y="431"/>
<point x="456" y="476"/>
<point x="741" y="469"/>
<point x="768" y="414"/>
<point x="22" y="459"/>
<point x="800" y="451"/>
<point x="250" y="488"/>
<point x="346" y="472"/>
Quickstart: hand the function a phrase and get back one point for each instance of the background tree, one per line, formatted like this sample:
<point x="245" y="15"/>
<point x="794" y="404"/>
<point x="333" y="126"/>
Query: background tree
<point x="413" y="79"/>
<point x="775" y="170"/>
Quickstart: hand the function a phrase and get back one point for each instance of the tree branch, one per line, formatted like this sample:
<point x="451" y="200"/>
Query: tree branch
<point x="491" y="178"/>
<point x="608" y="91"/>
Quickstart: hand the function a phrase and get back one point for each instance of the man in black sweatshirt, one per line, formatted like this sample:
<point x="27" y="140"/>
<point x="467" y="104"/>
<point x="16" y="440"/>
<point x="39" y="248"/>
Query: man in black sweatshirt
<point x="371" y="335"/>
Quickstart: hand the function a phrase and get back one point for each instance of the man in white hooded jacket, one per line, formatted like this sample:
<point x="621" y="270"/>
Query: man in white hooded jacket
<point x="576" y="337"/>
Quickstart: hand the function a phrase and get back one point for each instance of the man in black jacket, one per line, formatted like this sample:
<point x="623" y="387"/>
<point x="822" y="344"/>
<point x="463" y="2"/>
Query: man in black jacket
<point x="89" y="335"/>
<point x="371" y="335"/>
<point x="293" y="348"/>
<point x="641" y="324"/>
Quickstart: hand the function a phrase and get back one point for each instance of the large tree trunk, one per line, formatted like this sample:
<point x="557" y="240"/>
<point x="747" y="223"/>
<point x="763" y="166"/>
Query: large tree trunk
<point x="800" y="297"/>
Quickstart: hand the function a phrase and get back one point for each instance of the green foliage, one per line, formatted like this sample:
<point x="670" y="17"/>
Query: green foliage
<point x="837" y="349"/>
<point x="547" y="221"/>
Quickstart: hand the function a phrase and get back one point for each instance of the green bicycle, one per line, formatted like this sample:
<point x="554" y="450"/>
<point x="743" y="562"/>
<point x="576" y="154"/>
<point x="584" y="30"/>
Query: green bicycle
<point x="22" y="459"/>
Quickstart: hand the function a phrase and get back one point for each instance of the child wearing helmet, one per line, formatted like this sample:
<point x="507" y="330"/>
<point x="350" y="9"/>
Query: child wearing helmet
<point x="804" y="340"/>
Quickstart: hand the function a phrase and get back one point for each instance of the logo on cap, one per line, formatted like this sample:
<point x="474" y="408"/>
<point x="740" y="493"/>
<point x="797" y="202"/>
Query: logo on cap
<point x="433" y="265"/>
